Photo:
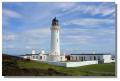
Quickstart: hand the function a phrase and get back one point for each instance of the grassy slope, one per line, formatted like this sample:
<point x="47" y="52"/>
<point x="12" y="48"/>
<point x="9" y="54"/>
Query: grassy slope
<point x="97" y="69"/>
<point x="10" y="67"/>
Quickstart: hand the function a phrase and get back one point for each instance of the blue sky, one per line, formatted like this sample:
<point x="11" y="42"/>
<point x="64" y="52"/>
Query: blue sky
<point x="85" y="27"/>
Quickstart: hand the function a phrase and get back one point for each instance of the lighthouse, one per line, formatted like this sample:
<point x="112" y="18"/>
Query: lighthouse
<point x="55" y="41"/>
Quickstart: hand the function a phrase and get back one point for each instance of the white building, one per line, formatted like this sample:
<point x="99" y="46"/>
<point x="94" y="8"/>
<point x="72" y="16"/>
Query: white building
<point x="73" y="60"/>
<point x="41" y="56"/>
<point x="101" y="58"/>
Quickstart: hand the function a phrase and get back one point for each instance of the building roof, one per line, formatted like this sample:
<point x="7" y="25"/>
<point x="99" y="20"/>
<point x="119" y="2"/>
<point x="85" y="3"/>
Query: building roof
<point x="92" y="54"/>
<point x="31" y="54"/>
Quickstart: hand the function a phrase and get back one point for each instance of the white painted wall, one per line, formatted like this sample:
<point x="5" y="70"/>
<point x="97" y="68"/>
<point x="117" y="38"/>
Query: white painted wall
<point x="57" y="63"/>
<point x="107" y="58"/>
<point x="27" y="57"/>
<point x="42" y="57"/>
<point x="53" y="58"/>
<point x="34" y="57"/>
<point x="55" y="41"/>
<point x="56" y="58"/>
<point x="77" y="64"/>
<point x="62" y="58"/>
<point x="73" y="64"/>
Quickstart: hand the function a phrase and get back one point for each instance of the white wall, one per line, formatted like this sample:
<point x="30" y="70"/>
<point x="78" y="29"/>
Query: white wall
<point x="107" y="58"/>
<point x="57" y="63"/>
<point x="77" y="64"/>
<point x="55" y="58"/>
<point x="42" y="57"/>
<point x="55" y="42"/>
<point x="73" y="64"/>
<point x="62" y="58"/>
<point x="27" y="57"/>
<point x="34" y="57"/>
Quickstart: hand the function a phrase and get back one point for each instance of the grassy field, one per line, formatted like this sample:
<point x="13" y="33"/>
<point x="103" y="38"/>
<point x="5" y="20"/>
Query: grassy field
<point x="90" y="70"/>
<point x="21" y="67"/>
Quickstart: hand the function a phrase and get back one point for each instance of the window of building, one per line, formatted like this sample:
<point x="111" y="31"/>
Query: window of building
<point x="76" y="57"/>
<point x="81" y="58"/>
<point x="44" y="57"/>
<point x="98" y="57"/>
<point x="40" y="57"/>
<point x="36" y="57"/>
<point x="33" y="57"/>
<point x="94" y="57"/>
<point x="90" y="58"/>
<point x="84" y="57"/>
<point x="71" y="58"/>
<point x="61" y="58"/>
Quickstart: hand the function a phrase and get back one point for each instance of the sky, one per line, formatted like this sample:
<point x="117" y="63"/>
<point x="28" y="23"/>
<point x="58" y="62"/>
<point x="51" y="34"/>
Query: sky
<point x="85" y="27"/>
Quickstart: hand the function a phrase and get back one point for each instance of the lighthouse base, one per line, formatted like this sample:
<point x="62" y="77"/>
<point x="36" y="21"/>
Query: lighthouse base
<point x="56" y="58"/>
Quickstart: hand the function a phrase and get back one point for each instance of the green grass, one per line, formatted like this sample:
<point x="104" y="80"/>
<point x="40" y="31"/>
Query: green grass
<point x="15" y="66"/>
<point x="89" y="70"/>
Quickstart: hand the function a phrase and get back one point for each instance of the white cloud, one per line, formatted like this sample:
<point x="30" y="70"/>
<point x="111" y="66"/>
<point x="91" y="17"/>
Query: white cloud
<point x="28" y="47"/>
<point x="65" y="5"/>
<point x="11" y="13"/>
<point x="90" y="22"/>
<point x="39" y="32"/>
<point x="28" y="39"/>
<point x="76" y="39"/>
<point x="106" y="32"/>
<point x="8" y="46"/>
<point x="35" y="36"/>
<point x="7" y="15"/>
<point x="79" y="31"/>
<point x="78" y="36"/>
<point x="10" y="37"/>
<point x="103" y="9"/>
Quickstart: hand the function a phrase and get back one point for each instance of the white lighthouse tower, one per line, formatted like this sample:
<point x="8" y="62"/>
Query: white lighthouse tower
<point x="55" y="41"/>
